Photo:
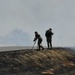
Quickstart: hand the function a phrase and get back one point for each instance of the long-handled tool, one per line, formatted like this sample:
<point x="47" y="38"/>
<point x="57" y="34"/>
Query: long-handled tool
<point x="33" y="45"/>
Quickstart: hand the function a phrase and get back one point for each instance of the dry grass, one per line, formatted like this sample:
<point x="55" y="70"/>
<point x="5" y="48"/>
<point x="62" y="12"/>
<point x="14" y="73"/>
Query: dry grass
<point x="47" y="62"/>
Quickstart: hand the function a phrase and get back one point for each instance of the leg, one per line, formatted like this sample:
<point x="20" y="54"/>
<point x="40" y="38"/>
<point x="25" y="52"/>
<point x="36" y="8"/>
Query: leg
<point x="51" y="44"/>
<point x="42" y="47"/>
<point x="48" y="44"/>
<point x="39" y="44"/>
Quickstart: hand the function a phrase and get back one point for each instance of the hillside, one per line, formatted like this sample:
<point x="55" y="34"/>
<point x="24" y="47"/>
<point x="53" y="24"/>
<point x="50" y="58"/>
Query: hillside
<point x="59" y="61"/>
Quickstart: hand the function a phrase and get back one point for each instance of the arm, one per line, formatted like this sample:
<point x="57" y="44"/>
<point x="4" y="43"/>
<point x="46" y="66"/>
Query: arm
<point x="52" y="33"/>
<point x="35" y="39"/>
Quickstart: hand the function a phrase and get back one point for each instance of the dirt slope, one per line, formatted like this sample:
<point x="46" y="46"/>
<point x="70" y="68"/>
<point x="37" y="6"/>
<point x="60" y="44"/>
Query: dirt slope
<point x="59" y="61"/>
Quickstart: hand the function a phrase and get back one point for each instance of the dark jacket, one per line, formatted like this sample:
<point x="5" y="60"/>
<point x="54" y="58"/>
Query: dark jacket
<point x="48" y="34"/>
<point x="37" y="36"/>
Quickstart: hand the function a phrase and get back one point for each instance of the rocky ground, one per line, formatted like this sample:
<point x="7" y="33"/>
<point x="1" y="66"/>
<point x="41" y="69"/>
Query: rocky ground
<point x="58" y="61"/>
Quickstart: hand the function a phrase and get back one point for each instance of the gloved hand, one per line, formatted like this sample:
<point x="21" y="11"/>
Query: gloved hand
<point x="34" y="39"/>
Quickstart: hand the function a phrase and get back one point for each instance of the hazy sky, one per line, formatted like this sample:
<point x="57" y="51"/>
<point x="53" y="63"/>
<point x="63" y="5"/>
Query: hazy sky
<point x="26" y="16"/>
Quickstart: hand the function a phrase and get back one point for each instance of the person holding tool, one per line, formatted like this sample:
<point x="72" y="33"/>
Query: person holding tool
<point x="38" y="37"/>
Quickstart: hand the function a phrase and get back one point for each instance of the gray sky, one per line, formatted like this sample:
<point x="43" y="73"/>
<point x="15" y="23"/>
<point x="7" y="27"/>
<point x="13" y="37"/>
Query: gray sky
<point x="28" y="16"/>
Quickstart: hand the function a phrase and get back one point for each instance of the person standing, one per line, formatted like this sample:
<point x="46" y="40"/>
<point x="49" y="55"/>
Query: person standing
<point x="48" y="36"/>
<point x="37" y="36"/>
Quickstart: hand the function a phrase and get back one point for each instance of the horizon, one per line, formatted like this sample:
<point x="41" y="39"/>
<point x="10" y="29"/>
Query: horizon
<point x="14" y="48"/>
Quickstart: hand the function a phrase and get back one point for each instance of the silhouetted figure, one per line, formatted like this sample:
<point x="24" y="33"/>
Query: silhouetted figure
<point x="48" y="35"/>
<point x="37" y="36"/>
